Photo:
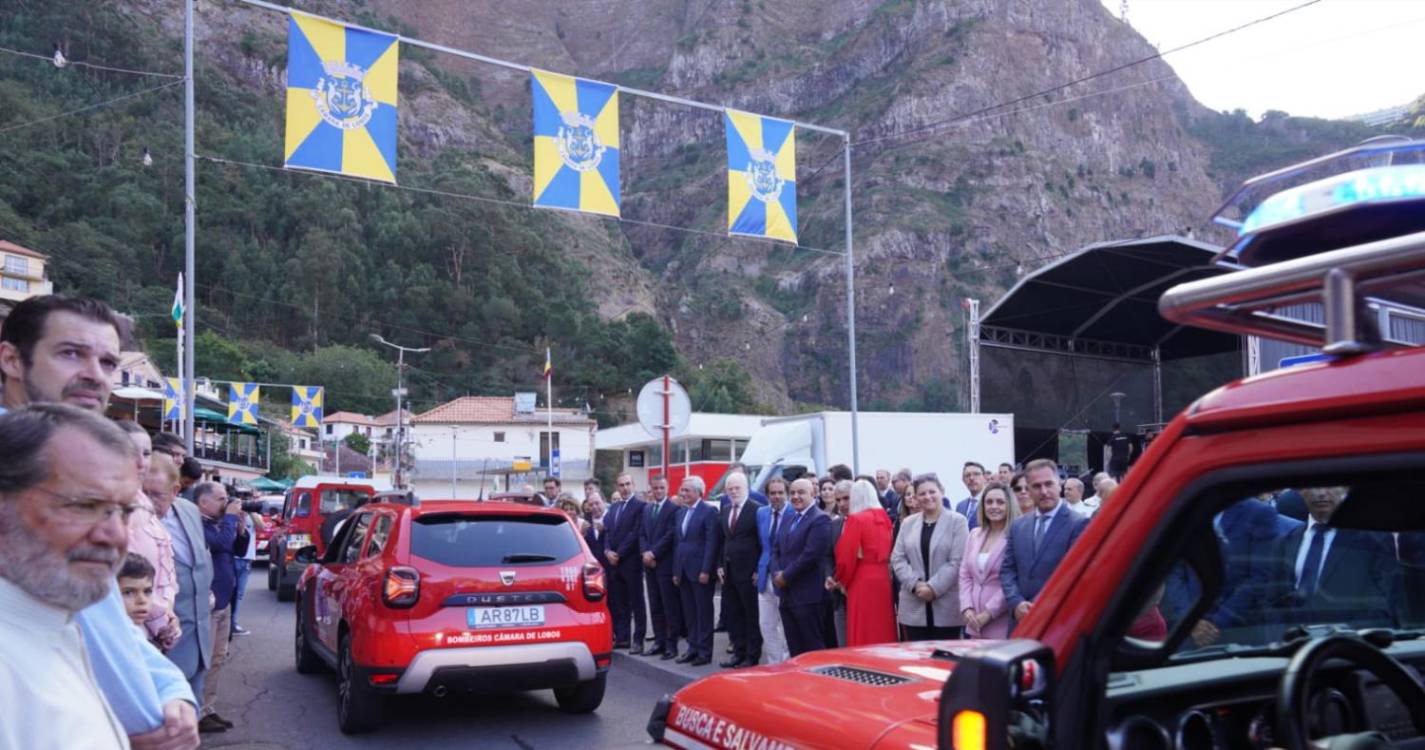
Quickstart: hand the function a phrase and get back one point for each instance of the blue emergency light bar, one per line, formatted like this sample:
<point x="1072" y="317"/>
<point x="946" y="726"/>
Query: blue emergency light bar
<point x="1363" y="186"/>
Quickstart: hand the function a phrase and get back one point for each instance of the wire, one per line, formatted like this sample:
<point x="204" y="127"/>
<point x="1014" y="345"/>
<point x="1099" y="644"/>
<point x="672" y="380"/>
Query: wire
<point x="935" y="126"/>
<point x="104" y="103"/>
<point x="96" y="66"/>
<point x="496" y="201"/>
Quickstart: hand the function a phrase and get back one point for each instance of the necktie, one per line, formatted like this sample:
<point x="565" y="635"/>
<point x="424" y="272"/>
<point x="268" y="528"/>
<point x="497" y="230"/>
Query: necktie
<point x="687" y="514"/>
<point x="1040" y="524"/>
<point x="732" y="521"/>
<point x="657" y="507"/>
<point x="1307" y="586"/>
<point x="776" y="521"/>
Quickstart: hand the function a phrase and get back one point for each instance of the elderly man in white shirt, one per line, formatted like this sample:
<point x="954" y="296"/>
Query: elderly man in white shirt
<point x="62" y="536"/>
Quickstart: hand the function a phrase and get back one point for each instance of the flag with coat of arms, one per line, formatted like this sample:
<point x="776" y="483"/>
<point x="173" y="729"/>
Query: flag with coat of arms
<point x="242" y="403"/>
<point x="307" y="406"/>
<point x="341" y="99"/>
<point x="173" y="397"/>
<point x="576" y="143"/>
<point x="761" y="176"/>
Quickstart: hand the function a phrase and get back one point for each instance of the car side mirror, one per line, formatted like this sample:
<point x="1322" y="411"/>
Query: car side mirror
<point x="307" y="554"/>
<point x="998" y="697"/>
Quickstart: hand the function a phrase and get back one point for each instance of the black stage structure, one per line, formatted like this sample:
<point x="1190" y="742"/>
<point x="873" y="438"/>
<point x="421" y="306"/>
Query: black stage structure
<point x="1078" y="344"/>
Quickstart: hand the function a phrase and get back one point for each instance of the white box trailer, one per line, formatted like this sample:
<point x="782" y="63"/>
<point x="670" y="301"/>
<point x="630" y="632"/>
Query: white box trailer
<point x="921" y="441"/>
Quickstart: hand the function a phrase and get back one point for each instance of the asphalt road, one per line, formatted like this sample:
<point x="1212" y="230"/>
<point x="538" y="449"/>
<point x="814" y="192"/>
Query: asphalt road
<point x="275" y="708"/>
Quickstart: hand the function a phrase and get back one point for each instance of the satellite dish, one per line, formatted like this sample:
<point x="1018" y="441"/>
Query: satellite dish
<point x="650" y="408"/>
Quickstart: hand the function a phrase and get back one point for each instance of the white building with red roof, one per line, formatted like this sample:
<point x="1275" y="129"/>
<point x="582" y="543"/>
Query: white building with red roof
<point x="484" y="444"/>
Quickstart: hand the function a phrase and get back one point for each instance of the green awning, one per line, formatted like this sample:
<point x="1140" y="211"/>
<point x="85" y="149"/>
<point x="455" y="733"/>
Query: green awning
<point x="263" y="484"/>
<point x="201" y="414"/>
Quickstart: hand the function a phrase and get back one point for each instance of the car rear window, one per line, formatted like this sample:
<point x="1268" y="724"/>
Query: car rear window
<point x="485" y="540"/>
<point x="334" y="500"/>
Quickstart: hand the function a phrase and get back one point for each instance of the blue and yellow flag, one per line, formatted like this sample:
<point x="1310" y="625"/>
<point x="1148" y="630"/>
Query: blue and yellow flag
<point x="307" y="406"/>
<point x="576" y="146"/>
<point x="341" y="99"/>
<point x="242" y="403"/>
<point x="761" y="176"/>
<point x="173" y="398"/>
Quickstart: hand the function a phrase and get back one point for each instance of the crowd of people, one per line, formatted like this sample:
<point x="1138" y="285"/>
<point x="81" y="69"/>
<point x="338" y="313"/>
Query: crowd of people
<point x="820" y="562"/>
<point x="121" y="569"/>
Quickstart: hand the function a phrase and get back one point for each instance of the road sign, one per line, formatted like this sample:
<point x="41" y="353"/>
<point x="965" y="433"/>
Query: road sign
<point x="356" y="475"/>
<point x="651" y="406"/>
<point x="554" y="462"/>
<point x="1305" y="359"/>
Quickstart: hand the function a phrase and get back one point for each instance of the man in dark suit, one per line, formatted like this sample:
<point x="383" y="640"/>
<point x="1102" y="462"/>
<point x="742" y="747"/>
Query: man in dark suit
<point x="1248" y="533"/>
<point x="797" y="557"/>
<point x="595" y="533"/>
<point x="1038" y="541"/>
<point x="655" y="539"/>
<point x="695" y="557"/>
<point x="741" y="548"/>
<point x="974" y="478"/>
<point x="1329" y="575"/>
<point x="623" y="521"/>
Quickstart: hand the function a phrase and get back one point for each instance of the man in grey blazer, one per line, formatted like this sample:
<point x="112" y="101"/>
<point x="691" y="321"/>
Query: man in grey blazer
<point x="1039" y="540"/>
<point x="194" y="566"/>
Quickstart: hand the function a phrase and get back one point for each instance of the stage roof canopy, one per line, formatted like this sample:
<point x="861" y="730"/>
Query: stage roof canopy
<point x="1103" y="301"/>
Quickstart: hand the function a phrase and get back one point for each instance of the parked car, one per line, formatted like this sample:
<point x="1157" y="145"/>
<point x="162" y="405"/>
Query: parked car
<point x="1258" y="579"/>
<point x="306" y="510"/>
<point x="454" y="596"/>
<point x="270" y="513"/>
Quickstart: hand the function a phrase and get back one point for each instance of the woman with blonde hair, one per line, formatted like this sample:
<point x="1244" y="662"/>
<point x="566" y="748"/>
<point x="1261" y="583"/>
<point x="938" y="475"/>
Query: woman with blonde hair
<point x="862" y="568"/>
<point x="981" y="596"/>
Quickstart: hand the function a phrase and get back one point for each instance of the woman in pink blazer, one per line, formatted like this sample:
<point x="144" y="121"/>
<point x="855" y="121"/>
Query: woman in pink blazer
<point x="981" y="596"/>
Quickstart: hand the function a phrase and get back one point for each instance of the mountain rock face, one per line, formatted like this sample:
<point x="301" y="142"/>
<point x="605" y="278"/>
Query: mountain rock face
<point x="953" y="191"/>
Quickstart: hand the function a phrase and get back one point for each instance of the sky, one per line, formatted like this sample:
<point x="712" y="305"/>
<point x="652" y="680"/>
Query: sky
<point x="1333" y="59"/>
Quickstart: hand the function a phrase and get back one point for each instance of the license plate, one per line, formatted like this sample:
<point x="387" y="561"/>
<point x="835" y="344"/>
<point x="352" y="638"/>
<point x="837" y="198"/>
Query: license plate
<point x="504" y="617"/>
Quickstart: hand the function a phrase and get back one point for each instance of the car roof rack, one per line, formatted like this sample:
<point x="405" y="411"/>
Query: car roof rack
<point x="1346" y="230"/>
<point x="1343" y="281"/>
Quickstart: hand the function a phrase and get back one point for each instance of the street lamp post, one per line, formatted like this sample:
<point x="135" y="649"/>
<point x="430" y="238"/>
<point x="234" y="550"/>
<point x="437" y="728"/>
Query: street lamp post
<point x="396" y="478"/>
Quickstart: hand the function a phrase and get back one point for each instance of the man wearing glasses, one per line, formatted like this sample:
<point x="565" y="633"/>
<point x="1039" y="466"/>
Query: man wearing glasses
<point x="60" y="554"/>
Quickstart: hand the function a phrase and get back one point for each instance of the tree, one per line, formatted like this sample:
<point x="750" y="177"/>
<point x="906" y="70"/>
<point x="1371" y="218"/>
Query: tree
<point x="359" y="443"/>
<point x="722" y="387"/>
<point x="355" y="379"/>
<point x="284" y="464"/>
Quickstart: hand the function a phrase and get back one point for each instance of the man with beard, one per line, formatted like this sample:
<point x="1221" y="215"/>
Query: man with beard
<point x="56" y="349"/>
<point x="74" y="672"/>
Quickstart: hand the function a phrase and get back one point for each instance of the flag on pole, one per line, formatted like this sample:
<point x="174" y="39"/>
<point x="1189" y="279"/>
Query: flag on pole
<point x="307" y="405"/>
<point x="576" y="143"/>
<point x="548" y="365"/>
<point x="761" y="176"/>
<point x="173" y="397"/>
<point x="177" y="311"/>
<point x="242" y="403"/>
<point x="341" y="99"/>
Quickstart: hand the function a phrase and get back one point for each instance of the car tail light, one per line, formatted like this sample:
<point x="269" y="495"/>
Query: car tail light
<point x="594" y="585"/>
<point x="401" y="587"/>
<point x="385" y="679"/>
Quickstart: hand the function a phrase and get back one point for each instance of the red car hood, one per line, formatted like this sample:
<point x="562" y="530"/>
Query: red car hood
<point x="823" y="699"/>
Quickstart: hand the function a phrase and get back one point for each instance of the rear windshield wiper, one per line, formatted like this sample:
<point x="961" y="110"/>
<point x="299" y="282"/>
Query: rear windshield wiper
<point x="521" y="557"/>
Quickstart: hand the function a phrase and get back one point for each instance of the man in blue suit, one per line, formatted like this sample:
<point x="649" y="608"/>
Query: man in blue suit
<point x="797" y="554"/>
<point x="1323" y="574"/>
<point x="695" y="556"/>
<point x="1038" y="541"/>
<point x="769" y="615"/>
<point x="623" y="521"/>
<point x="655" y="538"/>
<point x="974" y="478"/>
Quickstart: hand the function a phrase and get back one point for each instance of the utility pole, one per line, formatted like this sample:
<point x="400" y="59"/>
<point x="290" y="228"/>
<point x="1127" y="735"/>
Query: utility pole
<point x="397" y="478"/>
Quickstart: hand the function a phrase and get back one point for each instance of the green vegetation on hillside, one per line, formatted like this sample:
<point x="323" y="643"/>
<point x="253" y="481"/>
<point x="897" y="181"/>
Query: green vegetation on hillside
<point x="294" y="270"/>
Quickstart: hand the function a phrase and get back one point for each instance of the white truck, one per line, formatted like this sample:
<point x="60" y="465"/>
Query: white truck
<point x="922" y="441"/>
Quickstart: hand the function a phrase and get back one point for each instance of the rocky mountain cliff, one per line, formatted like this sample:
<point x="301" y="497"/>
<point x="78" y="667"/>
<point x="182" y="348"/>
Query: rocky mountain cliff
<point x="946" y="205"/>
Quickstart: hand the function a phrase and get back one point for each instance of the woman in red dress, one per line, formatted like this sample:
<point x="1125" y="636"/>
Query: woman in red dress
<point x="863" y="569"/>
